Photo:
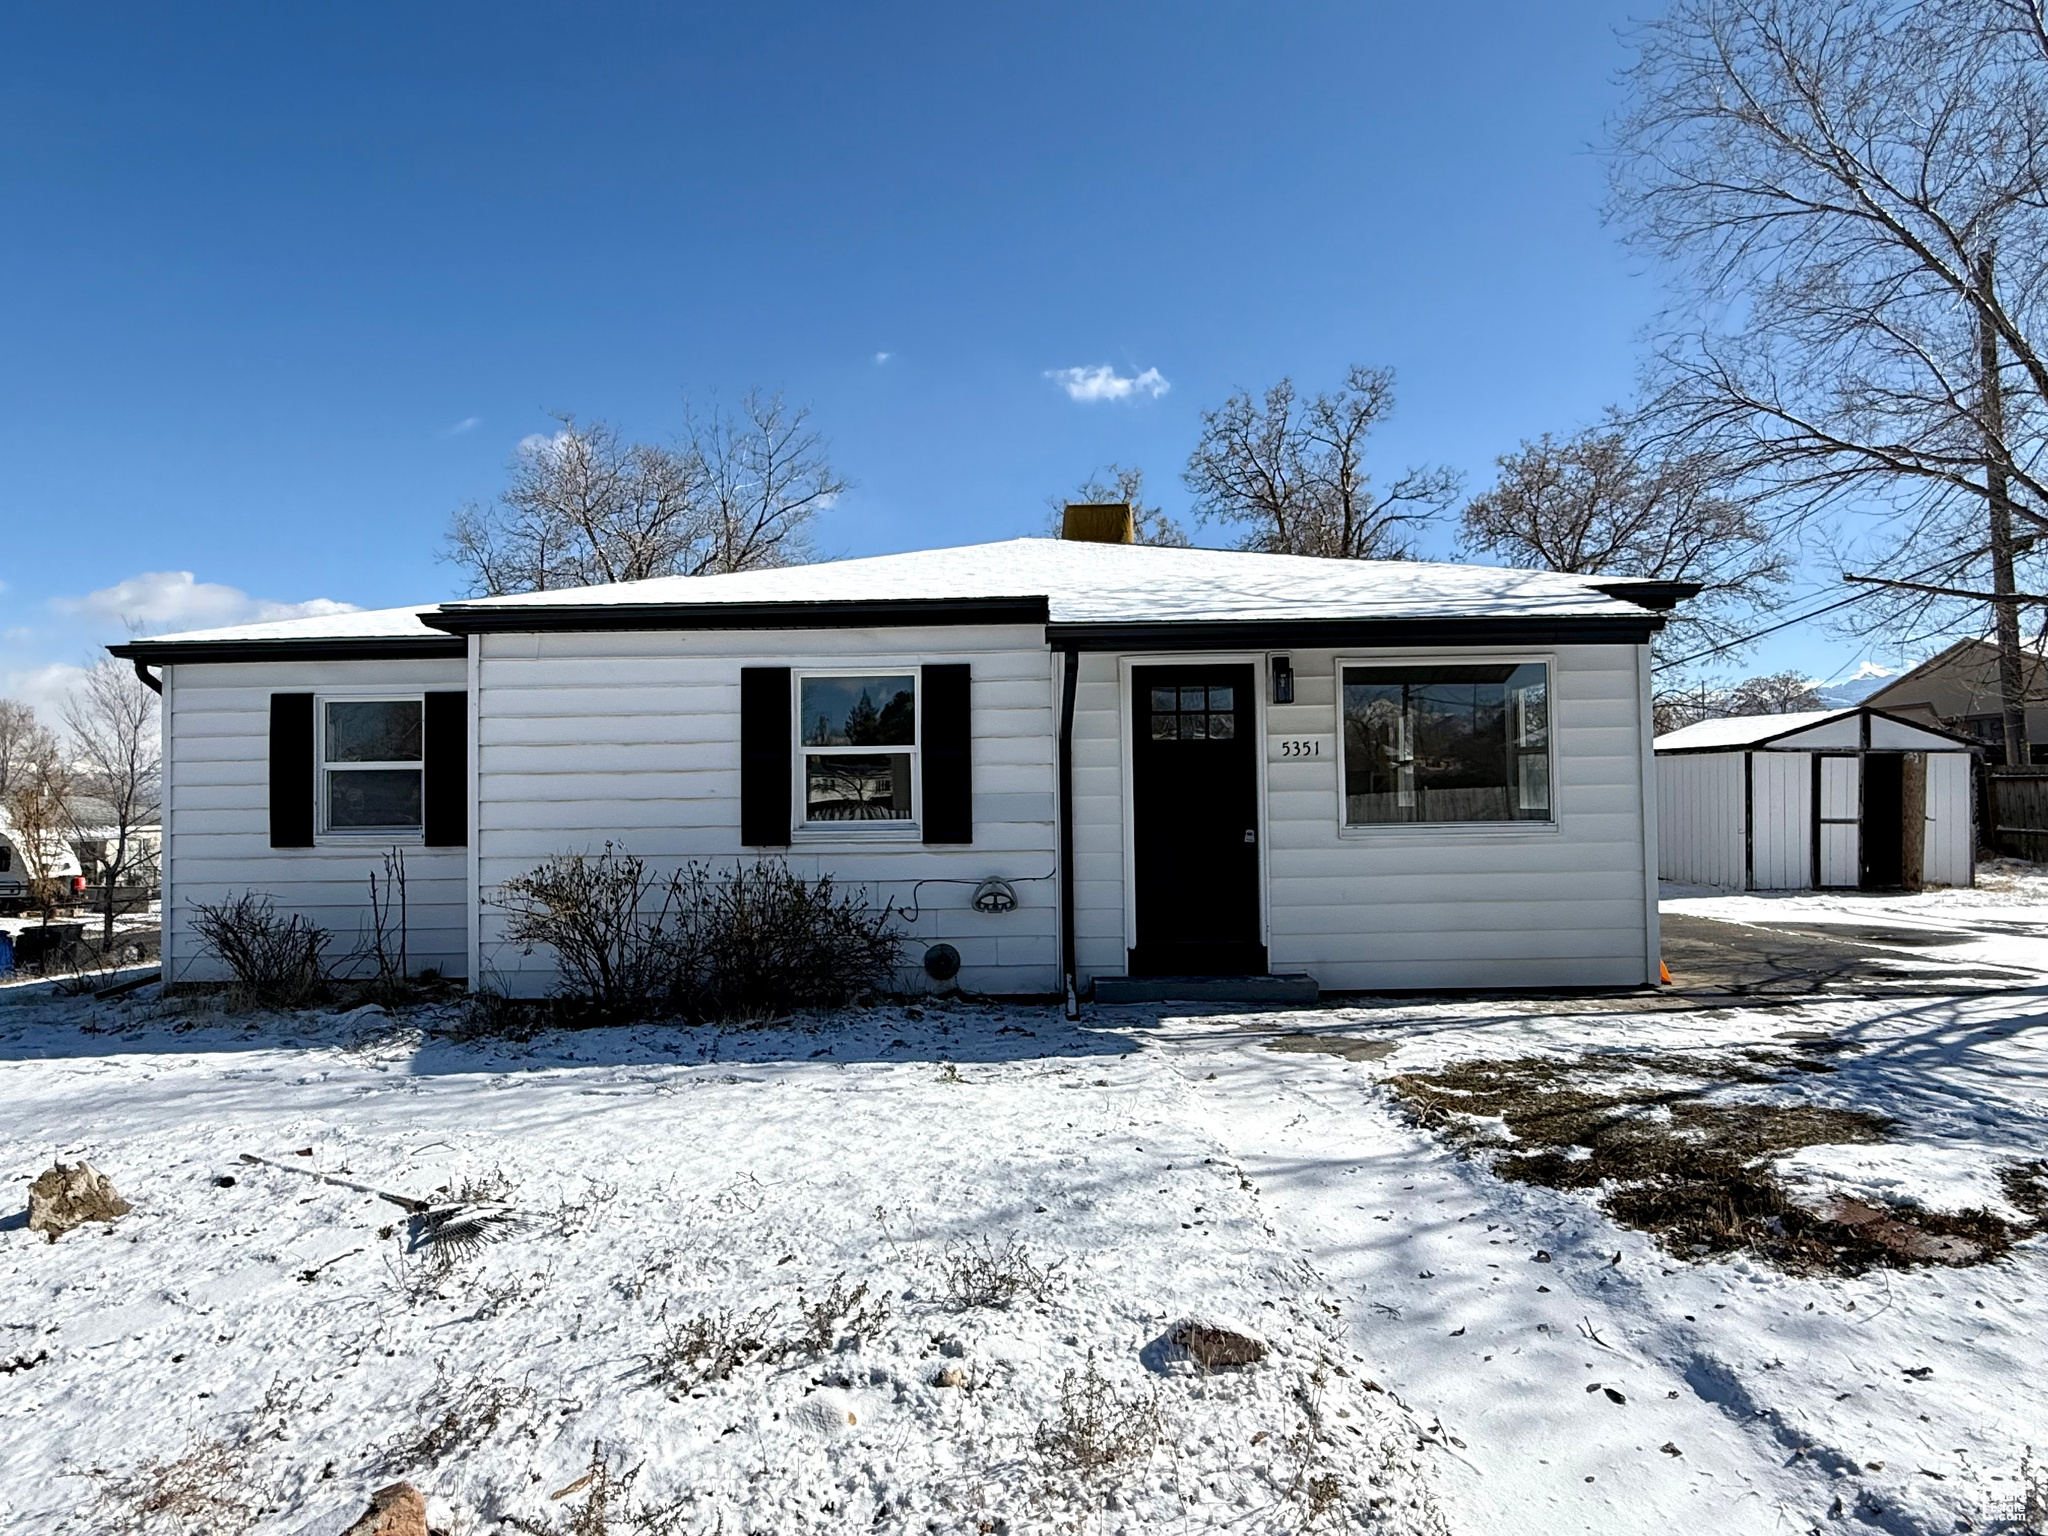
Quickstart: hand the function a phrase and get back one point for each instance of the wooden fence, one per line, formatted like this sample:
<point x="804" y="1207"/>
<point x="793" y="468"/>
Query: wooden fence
<point x="2015" y="813"/>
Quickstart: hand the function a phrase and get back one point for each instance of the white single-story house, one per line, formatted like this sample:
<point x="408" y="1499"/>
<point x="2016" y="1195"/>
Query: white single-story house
<point x="1828" y="799"/>
<point x="1073" y="761"/>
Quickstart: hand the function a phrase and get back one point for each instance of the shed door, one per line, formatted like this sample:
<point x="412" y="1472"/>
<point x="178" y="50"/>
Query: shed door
<point x="1838" y="813"/>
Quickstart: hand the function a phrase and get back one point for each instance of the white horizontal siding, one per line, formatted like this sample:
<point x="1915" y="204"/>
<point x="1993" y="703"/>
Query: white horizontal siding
<point x="217" y="816"/>
<point x="1700" y="837"/>
<point x="632" y="737"/>
<point x="1415" y="907"/>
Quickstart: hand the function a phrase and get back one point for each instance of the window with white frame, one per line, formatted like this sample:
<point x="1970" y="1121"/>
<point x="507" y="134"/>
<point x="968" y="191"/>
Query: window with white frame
<point x="857" y="747"/>
<point x="1434" y="742"/>
<point x="372" y="760"/>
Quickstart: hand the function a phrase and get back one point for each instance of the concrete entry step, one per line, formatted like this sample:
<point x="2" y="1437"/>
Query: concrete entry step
<point x="1295" y="987"/>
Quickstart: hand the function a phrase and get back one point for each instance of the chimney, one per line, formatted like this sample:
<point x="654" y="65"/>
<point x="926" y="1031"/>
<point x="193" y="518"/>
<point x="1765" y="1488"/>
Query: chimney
<point x="1098" y="522"/>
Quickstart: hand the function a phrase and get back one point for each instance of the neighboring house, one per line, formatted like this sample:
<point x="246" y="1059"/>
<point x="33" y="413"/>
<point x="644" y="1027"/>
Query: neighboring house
<point x="1070" y="760"/>
<point x="1958" y="690"/>
<point x="95" y="847"/>
<point x="1842" y="798"/>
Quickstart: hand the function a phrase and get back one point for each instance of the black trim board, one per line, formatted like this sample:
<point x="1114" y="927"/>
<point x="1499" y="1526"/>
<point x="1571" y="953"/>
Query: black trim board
<point x="1261" y="634"/>
<point x="530" y="618"/>
<point x="383" y="648"/>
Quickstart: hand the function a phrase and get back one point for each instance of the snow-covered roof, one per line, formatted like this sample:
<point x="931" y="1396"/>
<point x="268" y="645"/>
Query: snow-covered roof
<point x="1743" y="730"/>
<point x="1070" y="582"/>
<point x="1733" y="732"/>
<point x="355" y="624"/>
<point x="1085" y="583"/>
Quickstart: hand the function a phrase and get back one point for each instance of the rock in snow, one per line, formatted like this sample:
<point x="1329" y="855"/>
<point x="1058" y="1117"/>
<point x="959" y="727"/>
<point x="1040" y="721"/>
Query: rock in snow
<point x="1213" y="1346"/>
<point x="69" y="1194"/>
<point x="398" y="1510"/>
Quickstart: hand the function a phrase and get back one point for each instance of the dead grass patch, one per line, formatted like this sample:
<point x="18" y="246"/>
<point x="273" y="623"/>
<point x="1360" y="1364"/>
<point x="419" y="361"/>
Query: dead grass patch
<point x="1678" y="1158"/>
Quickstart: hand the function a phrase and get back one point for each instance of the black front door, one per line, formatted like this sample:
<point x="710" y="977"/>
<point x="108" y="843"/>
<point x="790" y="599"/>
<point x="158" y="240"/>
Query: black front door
<point x="1195" y="781"/>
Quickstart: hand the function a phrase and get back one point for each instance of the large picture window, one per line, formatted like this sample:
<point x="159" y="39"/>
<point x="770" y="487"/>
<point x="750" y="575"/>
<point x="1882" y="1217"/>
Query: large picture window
<point x="857" y="736"/>
<point x="1462" y="743"/>
<point x="372" y="760"/>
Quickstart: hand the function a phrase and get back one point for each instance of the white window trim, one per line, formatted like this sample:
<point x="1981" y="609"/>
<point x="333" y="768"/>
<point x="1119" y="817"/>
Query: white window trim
<point x="1483" y="831"/>
<point x="356" y="837"/>
<point x="863" y="832"/>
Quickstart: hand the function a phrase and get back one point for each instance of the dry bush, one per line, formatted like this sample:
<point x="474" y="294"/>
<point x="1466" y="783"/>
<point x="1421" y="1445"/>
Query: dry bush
<point x="454" y="1414"/>
<point x="608" y="1507"/>
<point x="979" y="1274"/>
<point x="418" y="1276"/>
<point x="1098" y="1431"/>
<point x="750" y="942"/>
<point x="2033" y="1503"/>
<point x="711" y="1346"/>
<point x="215" y="1486"/>
<point x="275" y="961"/>
<point x="841" y="1313"/>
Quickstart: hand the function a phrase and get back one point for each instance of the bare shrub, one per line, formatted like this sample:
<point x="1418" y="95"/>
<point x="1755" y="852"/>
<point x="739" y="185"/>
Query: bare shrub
<point x="769" y="940"/>
<point x="752" y="941"/>
<point x="1097" y="1430"/>
<point x="711" y="1346"/>
<point x="608" y="1508"/>
<point x="841" y="1313"/>
<point x="979" y="1274"/>
<point x="2033" y="1510"/>
<point x="612" y="926"/>
<point x="419" y="1276"/>
<point x="275" y="960"/>
<point x="454" y="1414"/>
<point x="214" y="1486"/>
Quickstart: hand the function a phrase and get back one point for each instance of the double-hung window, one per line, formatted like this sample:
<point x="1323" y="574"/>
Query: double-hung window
<point x="857" y="741"/>
<point x="1464" y="742"/>
<point x="371" y="772"/>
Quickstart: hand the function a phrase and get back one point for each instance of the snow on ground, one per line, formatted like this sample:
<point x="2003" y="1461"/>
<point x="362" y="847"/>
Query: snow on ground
<point x="1167" y="1161"/>
<point x="675" y="1174"/>
<point x="2000" y="921"/>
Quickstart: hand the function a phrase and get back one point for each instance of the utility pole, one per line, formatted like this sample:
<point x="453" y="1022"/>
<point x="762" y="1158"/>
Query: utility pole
<point x="2004" y="608"/>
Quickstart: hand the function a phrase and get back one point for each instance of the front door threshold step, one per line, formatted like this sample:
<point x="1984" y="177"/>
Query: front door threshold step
<point x="1294" y="987"/>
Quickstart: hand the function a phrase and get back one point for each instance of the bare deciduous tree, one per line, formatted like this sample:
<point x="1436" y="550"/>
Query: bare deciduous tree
<point x="1124" y="483"/>
<point x="118" y="757"/>
<point x="1856" y="193"/>
<point x="1776" y="693"/>
<point x="585" y="507"/>
<point x="1599" y="503"/>
<point x="1290" y="472"/>
<point x="37" y="810"/>
<point x="20" y="737"/>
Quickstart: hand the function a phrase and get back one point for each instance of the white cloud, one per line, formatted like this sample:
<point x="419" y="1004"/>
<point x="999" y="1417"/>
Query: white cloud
<point x="883" y="357"/>
<point x="44" y="689"/>
<point x="1102" y="382"/>
<point x="161" y="601"/>
<point x="467" y="424"/>
<point x="546" y="443"/>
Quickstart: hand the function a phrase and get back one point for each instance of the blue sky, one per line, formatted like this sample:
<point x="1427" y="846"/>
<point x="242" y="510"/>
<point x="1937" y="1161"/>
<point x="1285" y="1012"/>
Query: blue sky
<point x="282" y="287"/>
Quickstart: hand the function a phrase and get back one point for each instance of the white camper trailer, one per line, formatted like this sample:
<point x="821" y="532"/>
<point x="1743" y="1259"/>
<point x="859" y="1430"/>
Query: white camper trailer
<point x="18" y="867"/>
<point x="1842" y="799"/>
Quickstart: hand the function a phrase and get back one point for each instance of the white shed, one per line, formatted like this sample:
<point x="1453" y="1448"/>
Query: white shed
<point x="1829" y="800"/>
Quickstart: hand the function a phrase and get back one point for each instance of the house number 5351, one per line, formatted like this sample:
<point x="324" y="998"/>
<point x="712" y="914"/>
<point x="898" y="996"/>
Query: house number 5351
<point x="1297" y="748"/>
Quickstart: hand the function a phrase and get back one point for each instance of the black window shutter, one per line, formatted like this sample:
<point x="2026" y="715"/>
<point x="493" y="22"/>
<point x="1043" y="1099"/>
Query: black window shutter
<point x="291" y="770"/>
<point x="764" y="756"/>
<point x="948" y="755"/>
<point x="447" y="770"/>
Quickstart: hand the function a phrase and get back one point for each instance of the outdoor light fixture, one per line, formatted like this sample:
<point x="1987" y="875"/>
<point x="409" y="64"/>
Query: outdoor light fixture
<point x="994" y="895"/>
<point x="1283" y="681"/>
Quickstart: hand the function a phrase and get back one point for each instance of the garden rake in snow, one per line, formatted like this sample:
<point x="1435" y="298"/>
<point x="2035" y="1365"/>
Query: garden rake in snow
<point x="454" y="1226"/>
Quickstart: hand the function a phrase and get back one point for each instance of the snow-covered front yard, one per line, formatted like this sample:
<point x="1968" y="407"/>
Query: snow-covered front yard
<point x="1450" y="1351"/>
